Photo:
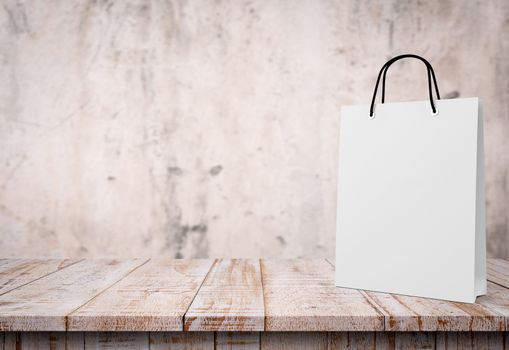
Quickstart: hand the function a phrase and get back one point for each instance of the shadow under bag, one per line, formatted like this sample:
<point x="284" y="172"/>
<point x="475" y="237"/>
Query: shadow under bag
<point x="411" y="207"/>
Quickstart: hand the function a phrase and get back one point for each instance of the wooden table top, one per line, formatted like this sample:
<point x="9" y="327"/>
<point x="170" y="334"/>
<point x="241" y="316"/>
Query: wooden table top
<point x="224" y="295"/>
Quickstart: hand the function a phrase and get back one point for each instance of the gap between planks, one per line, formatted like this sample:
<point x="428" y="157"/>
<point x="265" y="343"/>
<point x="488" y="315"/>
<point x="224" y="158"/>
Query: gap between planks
<point x="230" y="298"/>
<point x="71" y="262"/>
<point x="43" y="304"/>
<point x="197" y="291"/>
<point x="370" y="300"/>
<point x="263" y="296"/>
<point x="301" y="296"/>
<point x="488" y="313"/>
<point x="102" y="291"/>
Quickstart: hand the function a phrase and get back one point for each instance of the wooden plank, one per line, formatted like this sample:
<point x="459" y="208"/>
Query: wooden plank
<point x="470" y="340"/>
<point x="300" y="295"/>
<point x="45" y="340"/>
<point x="405" y="313"/>
<point x="182" y="341"/>
<point x="155" y="297"/>
<point x="18" y="272"/>
<point x="498" y="271"/>
<point x="230" y="299"/>
<point x="352" y="340"/>
<point x="10" y="340"/>
<point x="294" y="341"/>
<point x="398" y="316"/>
<point x="237" y="341"/>
<point x="268" y="340"/>
<point x="497" y="299"/>
<point x="116" y="340"/>
<point x="348" y="340"/>
<point x="414" y="340"/>
<point x="43" y="305"/>
<point x="383" y="340"/>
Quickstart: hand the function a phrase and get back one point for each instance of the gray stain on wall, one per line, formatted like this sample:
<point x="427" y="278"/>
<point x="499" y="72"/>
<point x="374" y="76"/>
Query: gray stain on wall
<point x="185" y="235"/>
<point x="216" y="170"/>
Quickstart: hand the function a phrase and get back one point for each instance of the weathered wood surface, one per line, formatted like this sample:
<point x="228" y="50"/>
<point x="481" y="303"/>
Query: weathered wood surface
<point x="498" y="271"/>
<point x="226" y="295"/>
<point x="230" y="299"/>
<point x="116" y="340"/>
<point x="237" y="341"/>
<point x="182" y="340"/>
<point x="405" y="313"/>
<point x="348" y="340"/>
<point x="300" y="296"/>
<point x="155" y="297"/>
<point x="44" y="304"/>
<point x="256" y="340"/>
<point x="18" y="272"/>
<point x="43" y="341"/>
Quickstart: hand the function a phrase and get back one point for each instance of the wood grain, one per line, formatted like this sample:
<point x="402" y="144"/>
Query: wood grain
<point x="230" y="299"/>
<point x="383" y="340"/>
<point x="226" y="295"/>
<point x="44" y="304"/>
<point x="46" y="340"/>
<point x="18" y="272"/>
<point x="10" y="340"/>
<point x="155" y="297"/>
<point x="237" y="341"/>
<point x="413" y="340"/>
<point x="497" y="300"/>
<point x="182" y="341"/>
<point x="470" y="340"/>
<point x="300" y="296"/>
<point x="294" y="341"/>
<point x="116" y="340"/>
<point x="353" y="340"/>
<point x="405" y="313"/>
<point x="268" y="340"/>
<point x="498" y="271"/>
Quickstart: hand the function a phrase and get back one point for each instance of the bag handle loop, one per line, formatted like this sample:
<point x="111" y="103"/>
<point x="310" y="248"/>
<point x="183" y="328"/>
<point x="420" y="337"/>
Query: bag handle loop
<point x="431" y="73"/>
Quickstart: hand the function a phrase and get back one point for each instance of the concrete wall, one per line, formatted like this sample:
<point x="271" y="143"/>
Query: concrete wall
<point x="210" y="128"/>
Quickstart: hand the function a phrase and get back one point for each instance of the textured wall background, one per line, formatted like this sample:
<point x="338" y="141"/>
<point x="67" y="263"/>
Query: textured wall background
<point x="210" y="128"/>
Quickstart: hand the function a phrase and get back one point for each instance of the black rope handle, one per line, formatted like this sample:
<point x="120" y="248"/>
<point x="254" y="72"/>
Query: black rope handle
<point x="429" y="68"/>
<point x="431" y="74"/>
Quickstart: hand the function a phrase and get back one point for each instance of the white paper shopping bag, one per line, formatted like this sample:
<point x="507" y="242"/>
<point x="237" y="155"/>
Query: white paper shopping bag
<point x="411" y="211"/>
